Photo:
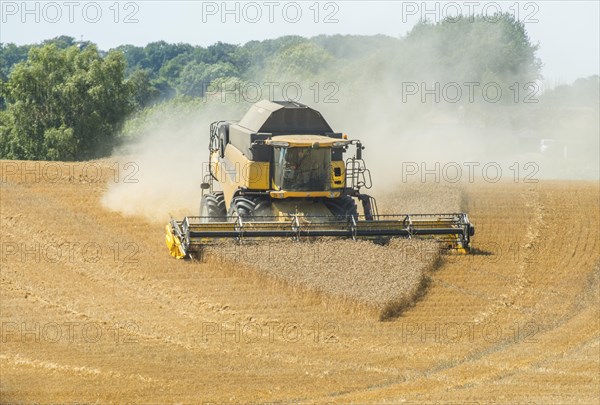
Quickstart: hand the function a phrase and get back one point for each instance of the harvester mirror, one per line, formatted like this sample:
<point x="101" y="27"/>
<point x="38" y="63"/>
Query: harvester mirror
<point x="204" y="186"/>
<point x="223" y="137"/>
<point x="359" y="149"/>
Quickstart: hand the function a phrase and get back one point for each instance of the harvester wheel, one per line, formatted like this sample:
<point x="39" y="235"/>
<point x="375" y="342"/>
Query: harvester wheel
<point x="212" y="207"/>
<point x="343" y="207"/>
<point x="249" y="206"/>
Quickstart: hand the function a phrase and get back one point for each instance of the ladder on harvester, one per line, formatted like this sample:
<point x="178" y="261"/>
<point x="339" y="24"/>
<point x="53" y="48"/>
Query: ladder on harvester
<point x="357" y="174"/>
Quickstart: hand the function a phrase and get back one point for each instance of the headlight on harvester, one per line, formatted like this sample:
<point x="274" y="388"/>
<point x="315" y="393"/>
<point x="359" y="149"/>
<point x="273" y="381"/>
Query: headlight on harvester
<point x="279" y="144"/>
<point x="340" y="143"/>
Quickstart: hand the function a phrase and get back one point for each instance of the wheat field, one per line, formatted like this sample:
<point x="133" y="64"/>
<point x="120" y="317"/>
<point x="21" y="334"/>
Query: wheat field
<point x="94" y="310"/>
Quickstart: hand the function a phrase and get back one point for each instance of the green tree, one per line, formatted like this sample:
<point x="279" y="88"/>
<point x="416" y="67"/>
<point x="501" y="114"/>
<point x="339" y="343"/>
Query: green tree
<point x="196" y="77"/>
<point x="260" y="53"/>
<point x="301" y="61"/>
<point x="62" y="41"/>
<point x="144" y="92"/>
<point x="470" y="49"/>
<point x="159" y="53"/>
<point x="66" y="103"/>
<point x="135" y="57"/>
<point x="10" y="55"/>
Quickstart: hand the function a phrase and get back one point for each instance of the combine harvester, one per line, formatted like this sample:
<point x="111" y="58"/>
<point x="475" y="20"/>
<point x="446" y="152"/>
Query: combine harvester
<point x="282" y="173"/>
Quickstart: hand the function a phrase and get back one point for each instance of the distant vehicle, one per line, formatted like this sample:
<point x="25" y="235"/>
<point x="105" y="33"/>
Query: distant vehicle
<point x="547" y="145"/>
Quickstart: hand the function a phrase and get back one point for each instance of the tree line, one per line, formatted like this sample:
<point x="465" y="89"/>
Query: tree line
<point x="64" y="99"/>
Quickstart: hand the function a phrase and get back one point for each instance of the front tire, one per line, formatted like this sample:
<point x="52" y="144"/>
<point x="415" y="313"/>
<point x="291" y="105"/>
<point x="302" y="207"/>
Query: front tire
<point x="212" y="208"/>
<point x="248" y="207"/>
<point x="342" y="208"/>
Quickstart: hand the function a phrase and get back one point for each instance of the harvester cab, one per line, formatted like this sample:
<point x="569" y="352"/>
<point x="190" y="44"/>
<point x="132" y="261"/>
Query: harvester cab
<point x="282" y="171"/>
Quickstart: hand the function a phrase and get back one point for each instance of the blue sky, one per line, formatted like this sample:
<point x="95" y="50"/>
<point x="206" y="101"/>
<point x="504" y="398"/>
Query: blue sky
<point x="568" y="31"/>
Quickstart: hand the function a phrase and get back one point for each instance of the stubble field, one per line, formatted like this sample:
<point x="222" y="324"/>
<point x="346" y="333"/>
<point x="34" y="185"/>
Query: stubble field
<point x="94" y="310"/>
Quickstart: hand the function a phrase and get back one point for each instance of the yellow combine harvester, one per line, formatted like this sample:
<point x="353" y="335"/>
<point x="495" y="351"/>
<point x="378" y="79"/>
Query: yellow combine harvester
<point x="282" y="173"/>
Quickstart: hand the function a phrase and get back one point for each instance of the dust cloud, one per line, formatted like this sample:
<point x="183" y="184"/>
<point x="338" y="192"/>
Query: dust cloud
<point x="430" y="142"/>
<point x="419" y="124"/>
<point x="414" y="138"/>
<point x="170" y="157"/>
